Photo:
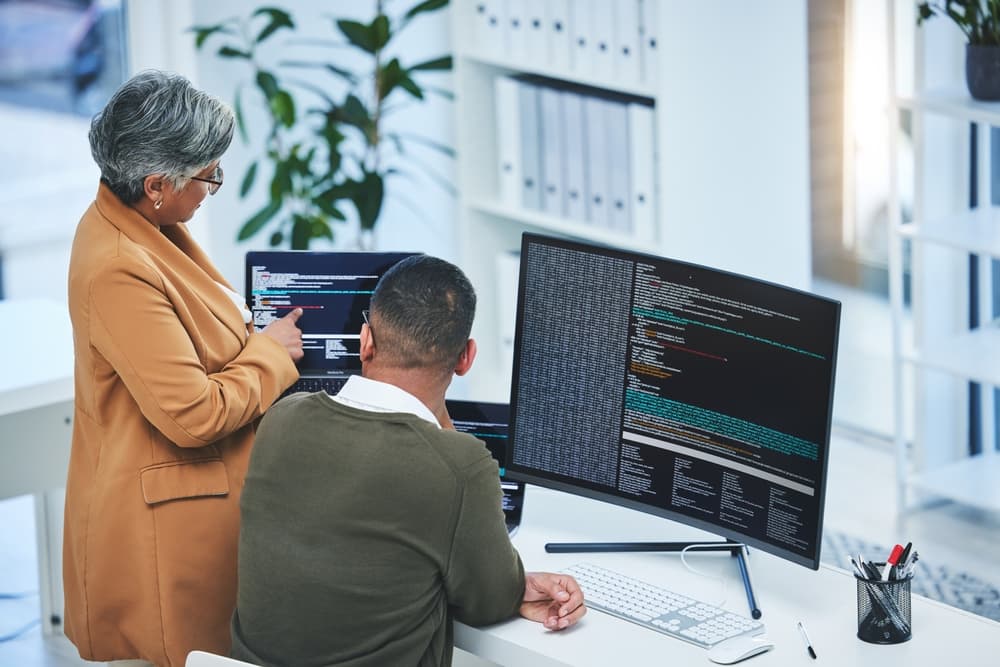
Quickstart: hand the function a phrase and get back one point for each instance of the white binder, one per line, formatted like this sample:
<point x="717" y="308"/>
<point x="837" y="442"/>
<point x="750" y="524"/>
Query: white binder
<point x="648" y="50"/>
<point x="642" y="171"/>
<point x="490" y="29"/>
<point x="619" y="189"/>
<point x="597" y="165"/>
<point x="553" y="151"/>
<point x="537" y="51"/>
<point x="580" y="36"/>
<point x="602" y="30"/>
<point x="516" y="29"/>
<point x="508" y="133"/>
<point x="574" y="163"/>
<point x="558" y="36"/>
<point x="627" y="46"/>
<point x="531" y="168"/>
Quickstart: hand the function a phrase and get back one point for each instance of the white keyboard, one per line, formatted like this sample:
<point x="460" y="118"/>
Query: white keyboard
<point x="659" y="609"/>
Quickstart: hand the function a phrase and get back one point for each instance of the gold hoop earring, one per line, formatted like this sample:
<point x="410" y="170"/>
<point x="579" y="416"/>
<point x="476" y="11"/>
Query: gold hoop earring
<point x="158" y="204"/>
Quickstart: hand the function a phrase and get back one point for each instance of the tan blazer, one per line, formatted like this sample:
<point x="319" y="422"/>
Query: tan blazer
<point x="169" y="385"/>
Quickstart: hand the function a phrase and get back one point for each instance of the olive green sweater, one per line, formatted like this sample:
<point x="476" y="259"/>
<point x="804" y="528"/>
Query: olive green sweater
<point x="363" y="535"/>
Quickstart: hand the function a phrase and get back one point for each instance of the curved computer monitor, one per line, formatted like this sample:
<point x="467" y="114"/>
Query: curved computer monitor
<point x="694" y="394"/>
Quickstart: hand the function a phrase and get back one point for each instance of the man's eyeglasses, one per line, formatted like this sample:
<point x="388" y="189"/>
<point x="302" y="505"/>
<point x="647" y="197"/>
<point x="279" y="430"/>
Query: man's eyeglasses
<point x="214" y="183"/>
<point x="371" y="332"/>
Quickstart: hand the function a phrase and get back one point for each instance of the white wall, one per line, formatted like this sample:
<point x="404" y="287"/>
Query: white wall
<point x="432" y="230"/>
<point x="734" y="146"/>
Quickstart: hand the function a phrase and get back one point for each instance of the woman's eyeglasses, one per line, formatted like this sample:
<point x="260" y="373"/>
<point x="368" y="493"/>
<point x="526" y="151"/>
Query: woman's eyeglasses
<point x="214" y="183"/>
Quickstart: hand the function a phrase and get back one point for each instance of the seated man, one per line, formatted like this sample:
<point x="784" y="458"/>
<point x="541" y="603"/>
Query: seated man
<point x="368" y="524"/>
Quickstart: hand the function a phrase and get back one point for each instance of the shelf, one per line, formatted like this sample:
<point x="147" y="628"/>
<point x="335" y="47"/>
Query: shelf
<point x="954" y="102"/>
<point x="543" y="221"/>
<point x="539" y="69"/>
<point x="971" y="481"/>
<point x="976" y="231"/>
<point x="971" y="355"/>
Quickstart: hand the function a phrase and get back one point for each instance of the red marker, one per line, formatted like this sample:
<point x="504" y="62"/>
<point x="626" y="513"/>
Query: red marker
<point x="891" y="561"/>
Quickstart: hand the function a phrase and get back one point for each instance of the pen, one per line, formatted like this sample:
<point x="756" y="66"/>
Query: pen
<point x="891" y="561"/>
<point x="805" y="638"/>
<point x="906" y="554"/>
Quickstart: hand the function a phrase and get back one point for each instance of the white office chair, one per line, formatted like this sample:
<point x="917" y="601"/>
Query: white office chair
<point x="203" y="659"/>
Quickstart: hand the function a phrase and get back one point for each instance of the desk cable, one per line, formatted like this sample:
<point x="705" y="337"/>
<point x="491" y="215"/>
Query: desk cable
<point x="723" y="580"/>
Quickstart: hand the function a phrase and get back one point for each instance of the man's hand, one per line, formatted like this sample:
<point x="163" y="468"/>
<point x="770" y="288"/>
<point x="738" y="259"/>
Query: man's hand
<point x="552" y="599"/>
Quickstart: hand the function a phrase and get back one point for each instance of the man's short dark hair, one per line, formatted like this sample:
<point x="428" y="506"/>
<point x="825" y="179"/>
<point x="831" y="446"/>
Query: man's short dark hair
<point x="421" y="313"/>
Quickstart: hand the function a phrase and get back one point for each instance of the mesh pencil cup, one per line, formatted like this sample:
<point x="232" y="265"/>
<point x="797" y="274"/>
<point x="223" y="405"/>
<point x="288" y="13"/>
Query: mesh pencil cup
<point x="884" y="610"/>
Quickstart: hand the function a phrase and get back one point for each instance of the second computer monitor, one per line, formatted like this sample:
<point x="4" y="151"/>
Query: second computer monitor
<point x="679" y="390"/>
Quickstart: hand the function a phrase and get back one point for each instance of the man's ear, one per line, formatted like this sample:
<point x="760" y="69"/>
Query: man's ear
<point x="466" y="358"/>
<point x="367" y="344"/>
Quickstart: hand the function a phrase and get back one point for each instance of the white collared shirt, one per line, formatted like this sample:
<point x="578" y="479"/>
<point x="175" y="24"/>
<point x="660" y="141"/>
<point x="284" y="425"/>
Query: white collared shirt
<point x="374" y="396"/>
<point x="238" y="301"/>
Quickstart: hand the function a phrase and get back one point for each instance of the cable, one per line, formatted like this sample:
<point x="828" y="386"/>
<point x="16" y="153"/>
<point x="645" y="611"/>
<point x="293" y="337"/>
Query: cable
<point x="725" y="582"/>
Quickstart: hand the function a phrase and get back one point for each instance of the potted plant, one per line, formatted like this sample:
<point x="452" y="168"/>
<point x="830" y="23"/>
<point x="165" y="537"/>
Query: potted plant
<point x="979" y="21"/>
<point x="337" y="152"/>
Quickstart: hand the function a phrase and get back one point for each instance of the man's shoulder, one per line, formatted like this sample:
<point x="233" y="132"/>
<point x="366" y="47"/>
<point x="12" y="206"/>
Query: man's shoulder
<point x="460" y="450"/>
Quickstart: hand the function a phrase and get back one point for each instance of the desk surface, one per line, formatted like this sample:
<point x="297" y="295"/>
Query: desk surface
<point x="824" y="600"/>
<point x="36" y="354"/>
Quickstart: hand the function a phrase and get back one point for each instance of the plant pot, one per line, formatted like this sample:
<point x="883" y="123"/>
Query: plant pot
<point x="982" y="71"/>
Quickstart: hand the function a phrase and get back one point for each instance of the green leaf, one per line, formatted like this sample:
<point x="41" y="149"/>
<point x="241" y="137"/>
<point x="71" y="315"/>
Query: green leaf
<point x="321" y="229"/>
<point x="277" y="19"/>
<point x="357" y="34"/>
<point x="353" y="112"/>
<point x="261" y="218"/>
<point x="392" y="75"/>
<point x="367" y="199"/>
<point x="388" y="77"/>
<point x="425" y="6"/>
<point x="379" y="31"/>
<point x="231" y="52"/>
<point x="345" y="74"/>
<point x="301" y="232"/>
<point x="326" y="205"/>
<point x="238" y="111"/>
<point x="410" y="86"/>
<point x="281" y="183"/>
<point x="345" y="190"/>
<point x="333" y="138"/>
<point x="438" y="64"/>
<point x="429" y="143"/>
<point x="248" y="179"/>
<point x="283" y="108"/>
<point x="267" y="83"/>
<point x="443" y="92"/>
<point x="202" y="33"/>
<point x="277" y="238"/>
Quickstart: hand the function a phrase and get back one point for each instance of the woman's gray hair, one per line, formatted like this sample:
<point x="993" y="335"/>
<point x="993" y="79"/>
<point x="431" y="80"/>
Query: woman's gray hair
<point x="158" y="123"/>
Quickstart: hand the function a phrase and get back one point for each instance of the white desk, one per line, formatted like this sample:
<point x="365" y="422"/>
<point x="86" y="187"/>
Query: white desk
<point x="36" y="416"/>
<point x="824" y="600"/>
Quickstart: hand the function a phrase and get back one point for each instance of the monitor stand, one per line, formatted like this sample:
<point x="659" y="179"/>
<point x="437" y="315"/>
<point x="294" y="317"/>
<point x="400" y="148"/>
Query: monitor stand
<point x="737" y="549"/>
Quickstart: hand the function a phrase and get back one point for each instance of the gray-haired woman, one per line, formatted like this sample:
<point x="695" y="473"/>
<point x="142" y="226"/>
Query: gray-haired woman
<point x="170" y="381"/>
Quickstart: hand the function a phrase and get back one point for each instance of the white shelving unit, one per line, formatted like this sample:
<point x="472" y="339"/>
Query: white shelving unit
<point x="939" y="355"/>
<point x="730" y="96"/>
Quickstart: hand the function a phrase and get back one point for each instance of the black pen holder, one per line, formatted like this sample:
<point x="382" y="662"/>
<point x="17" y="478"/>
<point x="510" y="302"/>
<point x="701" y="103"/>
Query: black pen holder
<point x="884" y="610"/>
